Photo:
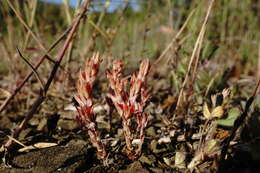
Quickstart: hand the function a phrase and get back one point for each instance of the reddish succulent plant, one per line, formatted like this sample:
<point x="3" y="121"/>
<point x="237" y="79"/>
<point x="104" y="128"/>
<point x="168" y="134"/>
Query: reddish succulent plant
<point x="132" y="103"/>
<point x="129" y="105"/>
<point x="85" y="117"/>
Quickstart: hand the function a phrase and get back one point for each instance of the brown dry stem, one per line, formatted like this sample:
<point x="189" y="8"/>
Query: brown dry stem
<point x="42" y="95"/>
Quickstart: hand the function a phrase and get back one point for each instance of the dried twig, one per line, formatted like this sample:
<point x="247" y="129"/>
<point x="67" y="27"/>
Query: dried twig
<point x="33" y="69"/>
<point x="45" y="56"/>
<point x="42" y="95"/>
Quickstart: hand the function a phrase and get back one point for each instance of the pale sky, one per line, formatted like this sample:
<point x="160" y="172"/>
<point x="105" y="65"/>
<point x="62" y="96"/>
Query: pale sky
<point x="113" y="6"/>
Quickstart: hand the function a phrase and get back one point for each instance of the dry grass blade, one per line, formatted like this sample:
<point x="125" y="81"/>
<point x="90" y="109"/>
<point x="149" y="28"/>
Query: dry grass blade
<point x="174" y="38"/>
<point x="4" y="93"/>
<point x="33" y="69"/>
<point x="39" y="145"/>
<point x="196" y="49"/>
<point x="32" y="7"/>
<point x="104" y="34"/>
<point x="103" y="13"/>
<point x="25" y="25"/>
<point x="16" y="141"/>
<point x="258" y="62"/>
<point x="67" y="11"/>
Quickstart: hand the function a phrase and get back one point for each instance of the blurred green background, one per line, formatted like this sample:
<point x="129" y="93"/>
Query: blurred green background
<point x="135" y="30"/>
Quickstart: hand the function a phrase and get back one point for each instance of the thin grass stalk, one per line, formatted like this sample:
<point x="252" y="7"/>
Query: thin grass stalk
<point x="258" y="63"/>
<point x="67" y="11"/>
<point x="26" y="26"/>
<point x="193" y="56"/>
<point x="70" y="49"/>
<point x="174" y="39"/>
<point x="31" y="16"/>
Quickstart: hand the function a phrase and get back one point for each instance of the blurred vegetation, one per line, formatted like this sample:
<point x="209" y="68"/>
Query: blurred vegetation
<point x="231" y="41"/>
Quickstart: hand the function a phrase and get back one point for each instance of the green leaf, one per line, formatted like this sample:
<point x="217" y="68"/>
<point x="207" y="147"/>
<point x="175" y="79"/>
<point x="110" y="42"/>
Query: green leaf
<point x="230" y="119"/>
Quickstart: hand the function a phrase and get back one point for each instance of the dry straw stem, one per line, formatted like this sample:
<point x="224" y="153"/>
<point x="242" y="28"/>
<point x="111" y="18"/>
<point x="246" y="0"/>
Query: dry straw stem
<point x="174" y="39"/>
<point x="108" y="37"/>
<point x="31" y="8"/>
<point x="103" y="12"/>
<point x="70" y="49"/>
<point x="258" y="63"/>
<point x="195" y="54"/>
<point x="67" y="11"/>
<point x="147" y="20"/>
<point x="25" y="25"/>
<point x="42" y="95"/>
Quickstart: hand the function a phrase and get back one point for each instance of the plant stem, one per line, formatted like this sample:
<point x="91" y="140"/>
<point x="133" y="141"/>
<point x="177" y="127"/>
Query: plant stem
<point x="42" y="95"/>
<point x="127" y="134"/>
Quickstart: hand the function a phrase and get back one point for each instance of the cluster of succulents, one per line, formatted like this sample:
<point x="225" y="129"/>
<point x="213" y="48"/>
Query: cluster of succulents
<point x="129" y="105"/>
